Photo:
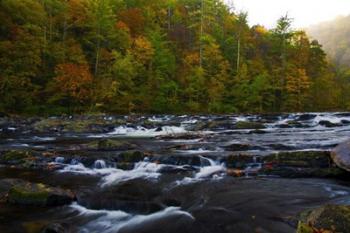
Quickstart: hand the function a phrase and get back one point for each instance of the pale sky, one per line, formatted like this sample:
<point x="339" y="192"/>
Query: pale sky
<point x="304" y="12"/>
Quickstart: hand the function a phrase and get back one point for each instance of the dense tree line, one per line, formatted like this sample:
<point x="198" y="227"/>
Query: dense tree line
<point x="158" y="56"/>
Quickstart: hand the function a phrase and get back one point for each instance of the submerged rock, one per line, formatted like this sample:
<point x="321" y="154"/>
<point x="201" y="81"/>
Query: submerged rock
<point x="329" y="124"/>
<point x="136" y="195"/>
<point x="241" y="147"/>
<point x="328" y="218"/>
<point x="130" y="156"/>
<point x="22" y="192"/>
<point x="56" y="228"/>
<point x="240" y="161"/>
<point x="249" y="125"/>
<point x="341" y="155"/>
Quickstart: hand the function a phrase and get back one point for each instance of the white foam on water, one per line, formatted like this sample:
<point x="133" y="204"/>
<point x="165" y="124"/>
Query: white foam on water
<point x="199" y="151"/>
<point x="79" y="168"/>
<point x="111" y="175"/>
<point x="335" y="192"/>
<point x="139" y="131"/>
<point x="191" y="121"/>
<point x="100" y="164"/>
<point x="44" y="139"/>
<point x="145" y="170"/>
<point x="330" y="117"/>
<point x="59" y="160"/>
<point x="157" y="119"/>
<point x="211" y="171"/>
<point x="241" y="118"/>
<point x="113" y="221"/>
<point x="20" y="145"/>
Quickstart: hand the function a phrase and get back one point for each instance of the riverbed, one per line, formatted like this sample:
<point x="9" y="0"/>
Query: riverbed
<point x="177" y="179"/>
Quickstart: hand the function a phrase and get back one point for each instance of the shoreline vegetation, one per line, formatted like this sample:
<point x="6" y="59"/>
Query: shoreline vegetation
<point x="156" y="56"/>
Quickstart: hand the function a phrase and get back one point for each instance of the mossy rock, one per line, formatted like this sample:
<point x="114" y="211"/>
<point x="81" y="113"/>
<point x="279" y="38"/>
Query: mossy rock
<point x="49" y="124"/>
<point x="304" y="228"/>
<point x="36" y="194"/>
<point x="125" y="165"/>
<point x="71" y="125"/>
<point x="30" y="194"/>
<point x="34" y="227"/>
<point x="130" y="157"/>
<point x="249" y="125"/>
<point x="331" y="218"/>
<point x="111" y="145"/>
<point x="46" y="227"/>
<point x="16" y="157"/>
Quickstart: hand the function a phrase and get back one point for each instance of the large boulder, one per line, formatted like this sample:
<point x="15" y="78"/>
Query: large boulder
<point x="22" y="192"/>
<point x="329" y="218"/>
<point x="300" y="164"/>
<point x="341" y="155"/>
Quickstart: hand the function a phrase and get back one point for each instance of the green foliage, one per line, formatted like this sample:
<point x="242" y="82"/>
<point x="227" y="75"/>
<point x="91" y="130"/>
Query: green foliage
<point x="172" y="56"/>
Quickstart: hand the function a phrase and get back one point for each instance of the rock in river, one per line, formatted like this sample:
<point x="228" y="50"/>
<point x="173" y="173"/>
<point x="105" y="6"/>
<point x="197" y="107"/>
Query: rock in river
<point x="341" y="155"/>
<point x="329" y="218"/>
<point x="21" y="192"/>
<point x="111" y="145"/>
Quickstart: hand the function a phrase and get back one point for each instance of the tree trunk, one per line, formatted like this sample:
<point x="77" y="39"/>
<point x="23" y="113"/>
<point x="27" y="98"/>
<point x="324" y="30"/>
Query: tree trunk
<point x="201" y="35"/>
<point x="238" y="54"/>
<point x="97" y="58"/>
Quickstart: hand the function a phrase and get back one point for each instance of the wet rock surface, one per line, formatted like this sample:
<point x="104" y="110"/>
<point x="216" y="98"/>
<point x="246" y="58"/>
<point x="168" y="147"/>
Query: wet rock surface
<point x="328" y="218"/>
<point x="251" y="173"/>
<point x="341" y="155"/>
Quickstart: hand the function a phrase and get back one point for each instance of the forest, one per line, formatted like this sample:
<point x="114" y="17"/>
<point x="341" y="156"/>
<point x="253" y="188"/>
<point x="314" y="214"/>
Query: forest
<point x="158" y="56"/>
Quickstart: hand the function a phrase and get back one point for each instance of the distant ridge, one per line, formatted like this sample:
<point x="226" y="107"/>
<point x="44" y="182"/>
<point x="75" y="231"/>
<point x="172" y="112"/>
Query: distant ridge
<point x="335" y="37"/>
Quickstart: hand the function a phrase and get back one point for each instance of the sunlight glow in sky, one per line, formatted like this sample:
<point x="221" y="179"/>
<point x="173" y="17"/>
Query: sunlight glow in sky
<point x="304" y="12"/>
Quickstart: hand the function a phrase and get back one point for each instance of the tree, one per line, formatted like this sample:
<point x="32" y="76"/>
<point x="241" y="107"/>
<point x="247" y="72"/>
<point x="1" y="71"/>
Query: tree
<point x="297" y="89"/>
<point x="283" y="34"/>
<point x="72" y="85"/>
<point x="241" y="31"/>
<point x="101" y="21"/>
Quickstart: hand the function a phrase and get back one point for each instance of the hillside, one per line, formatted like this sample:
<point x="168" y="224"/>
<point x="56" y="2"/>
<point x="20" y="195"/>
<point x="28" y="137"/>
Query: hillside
<point x="156" y="56"/>
<point x="335" y="38"/>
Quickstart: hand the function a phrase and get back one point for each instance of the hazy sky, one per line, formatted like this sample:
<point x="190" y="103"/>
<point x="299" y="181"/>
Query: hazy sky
<point x="304" y="12"/>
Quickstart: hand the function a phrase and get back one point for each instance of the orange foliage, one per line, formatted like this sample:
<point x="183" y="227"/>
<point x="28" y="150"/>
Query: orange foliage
<point x="191" y="59"/>
<point x="77" y="12"/>
<point x="143" y="50"/>
<point x="74" y="80"/>
<point x="122" y="26"/>
<point x="134" y="19"/>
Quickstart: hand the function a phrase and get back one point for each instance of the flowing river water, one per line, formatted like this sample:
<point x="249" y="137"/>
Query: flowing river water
<point x="181" y="182"/>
